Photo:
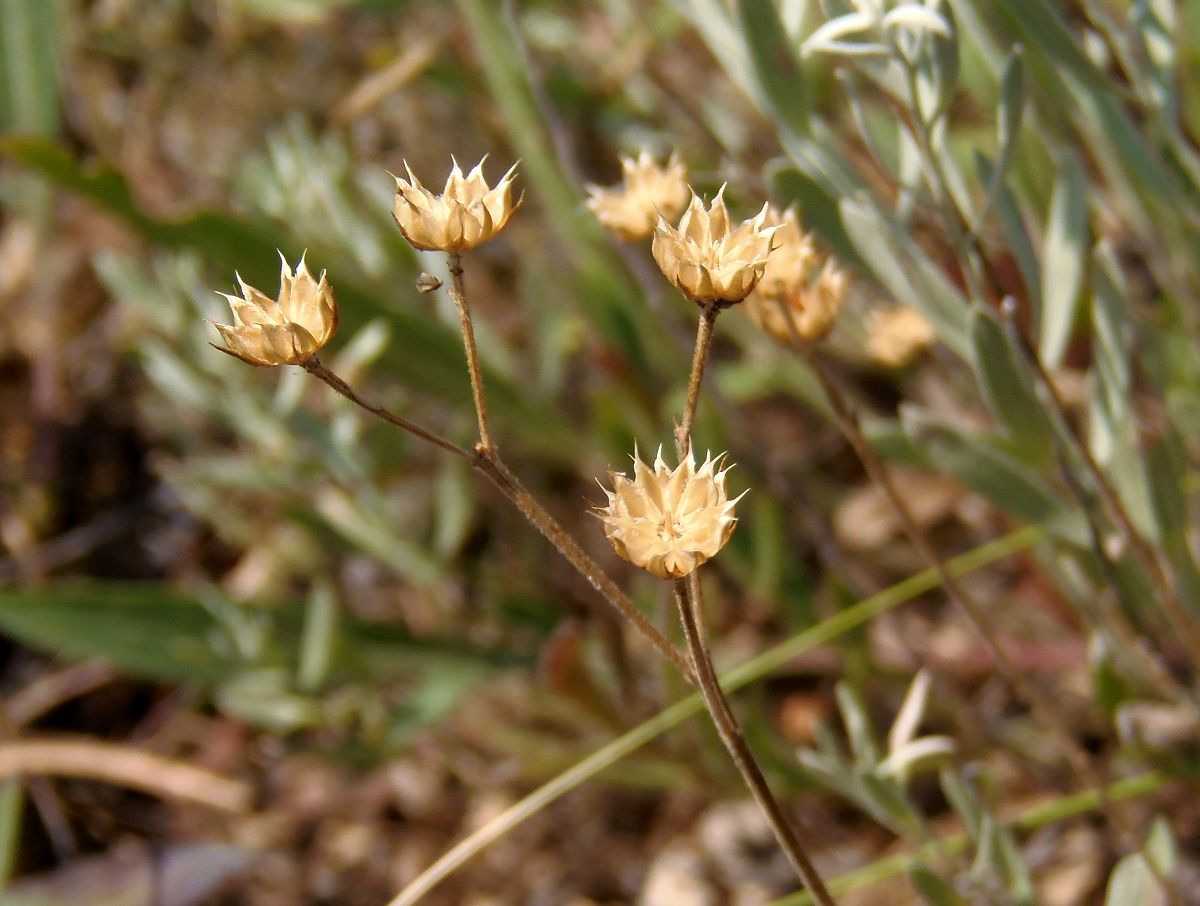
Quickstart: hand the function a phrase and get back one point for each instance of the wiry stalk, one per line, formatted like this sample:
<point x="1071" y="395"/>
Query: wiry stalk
<point x="487" y="462"/>
<point x="730" y="732"/>
<point x="690" y="603"/>
<point x="704" y="337"/>
<point x="468" y="334"/>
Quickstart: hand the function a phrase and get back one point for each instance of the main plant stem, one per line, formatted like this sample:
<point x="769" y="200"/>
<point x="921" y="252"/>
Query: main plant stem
<point x="487" y="462"/>
<point x="689" y="601"/>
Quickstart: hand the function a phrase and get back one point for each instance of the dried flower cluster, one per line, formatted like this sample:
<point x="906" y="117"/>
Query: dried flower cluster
<point x="669" y="521"/>
<point x="793" y="299"/>
<point x="897" y="336"/>
<point x="709" y="261"/>
<point x="284" y="331"/>
<point x="467" y="213"/>
<point x="647" y="191"/>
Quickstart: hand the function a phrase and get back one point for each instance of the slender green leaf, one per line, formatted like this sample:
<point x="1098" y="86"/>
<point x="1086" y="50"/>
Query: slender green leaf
<point x="1009" y="115"/>
<point x="1009" y="388"/>
<point x="932" y="888"/>
<point x="1008" y="213"/>
<point x="982" y="465"/>
<point x="774" y="63"/>
<point x="906" y="272"/>
<point x="12" y="805"/>
<point x="1064" y="258"/>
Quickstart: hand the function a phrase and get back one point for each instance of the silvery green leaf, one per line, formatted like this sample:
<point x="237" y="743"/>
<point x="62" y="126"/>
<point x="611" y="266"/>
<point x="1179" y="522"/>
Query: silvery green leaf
<point x="982" y="464"/>
<point x="963" y="800"/>
<point x="1132" y="883"/>
<point x="1008" y="386"/>
<point x="908" y="718"/>
<point x="836" y="29"/>
<point x="1064" y="258"/>
<point x="918" y="755"/>
<point x="906" y="271"/>
<point x="918" y="18"/>
<point x="848" y="49"/>
<point x="1016" y="235"/>
<point x="937" y="69"/>
<point x="1009" y="113"/>
<point x="932" y="888"/>
<point x="318" y="637"/>
<point x="858" y="725"/>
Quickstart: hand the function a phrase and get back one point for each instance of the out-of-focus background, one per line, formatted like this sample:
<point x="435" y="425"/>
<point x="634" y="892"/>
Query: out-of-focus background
<point x="336" y="651"/>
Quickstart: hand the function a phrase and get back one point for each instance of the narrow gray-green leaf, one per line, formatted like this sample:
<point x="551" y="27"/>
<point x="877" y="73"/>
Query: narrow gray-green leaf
<point x="774" y="64"/>
<point x="906" y="272"/>
<point x="981" y="464"/>
<point x="1009" y="113"/>
<point x="1064" y="258"/>
<point x="318" y="637"/>
<point x="1008" y="387"/>
<point x="932" y="888"/>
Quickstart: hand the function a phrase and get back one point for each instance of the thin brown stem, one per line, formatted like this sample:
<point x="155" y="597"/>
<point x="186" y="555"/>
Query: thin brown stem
<point x="704" y="337"/>
<point x="1044" y="711"/>
<point x="488" y="463"/>
<point x="468" y="332"/>
<point x="730" y="732"/>
<point x="317" y="369"/>
<point x="689" y="600"/>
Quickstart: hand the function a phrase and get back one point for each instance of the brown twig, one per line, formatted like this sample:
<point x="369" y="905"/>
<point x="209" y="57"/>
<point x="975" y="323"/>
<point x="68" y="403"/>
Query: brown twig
<point x="317" y="369"/>
<point x="124" y="766"/>
<point x="704" y="336"/>
<point x="487" y="462"/>
<point x="730" y="732"/>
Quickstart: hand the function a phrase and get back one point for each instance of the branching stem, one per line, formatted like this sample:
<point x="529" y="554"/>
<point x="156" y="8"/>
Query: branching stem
<point x="487" y="462"/>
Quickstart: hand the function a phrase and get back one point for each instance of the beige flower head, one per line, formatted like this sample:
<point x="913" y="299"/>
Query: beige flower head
<point x="631" y="209"/>
<point x="669" y="521"/>
<point x="789" y="301"/>
<point x="896" y="337"/>
<point x="706" y="259"/>
<point x="284" y="331"/>
<point x="466" y="214"/>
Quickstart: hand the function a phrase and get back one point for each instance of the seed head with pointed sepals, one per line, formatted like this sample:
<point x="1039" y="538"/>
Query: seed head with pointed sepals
<point x="647" y="191"/>
<point x="288" y="330"/>
<point x="706" y="259"/>
<point x="467" y="213"/>
<point x="669" y="521"/>
<point x="789" y="301"/>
